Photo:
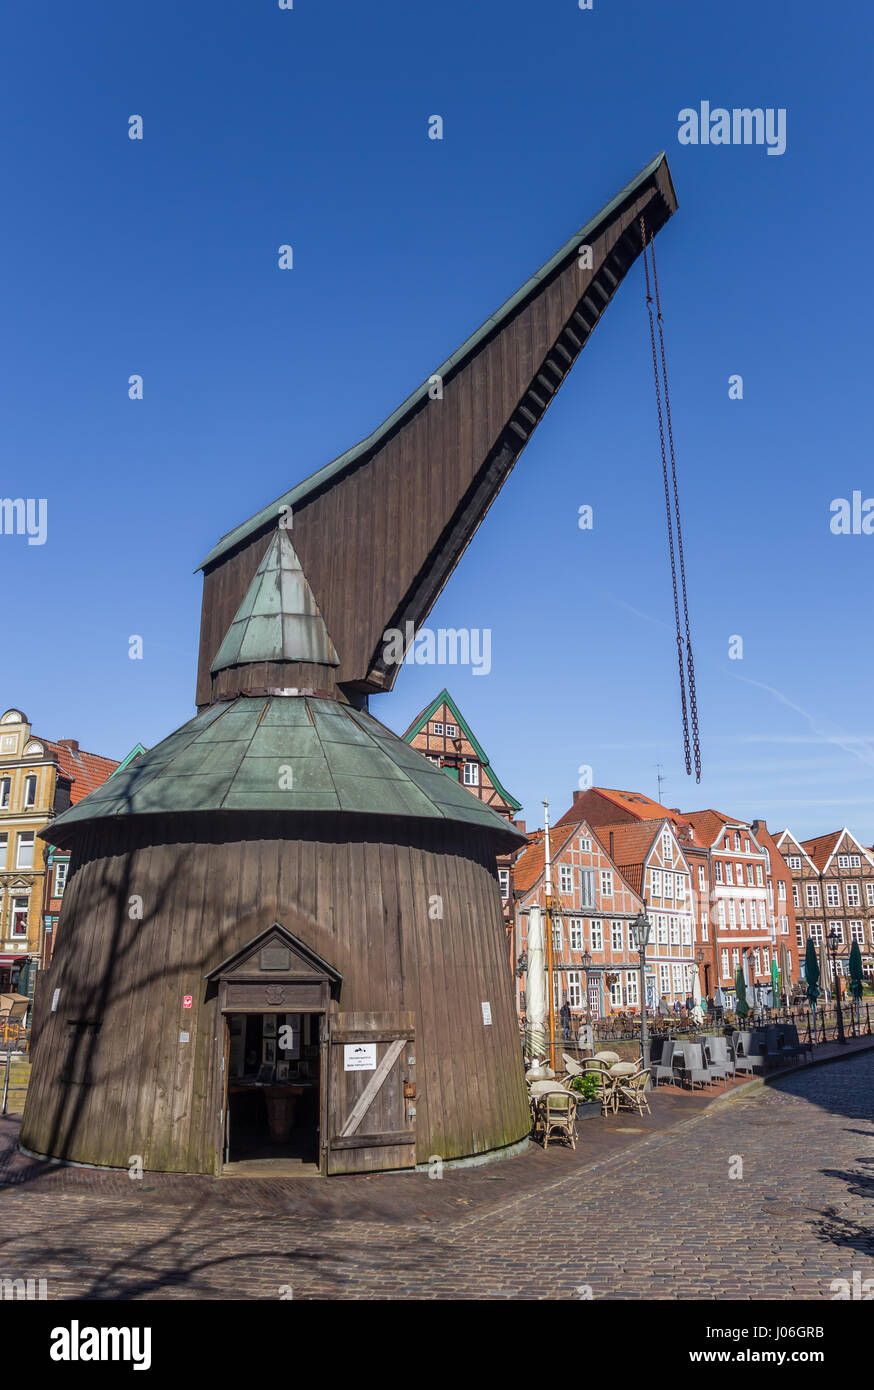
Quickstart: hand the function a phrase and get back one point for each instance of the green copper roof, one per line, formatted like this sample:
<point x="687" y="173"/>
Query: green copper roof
<point x="283" y="753"/>
<point x="331" y="470"/>
<point x="279" y="619"/>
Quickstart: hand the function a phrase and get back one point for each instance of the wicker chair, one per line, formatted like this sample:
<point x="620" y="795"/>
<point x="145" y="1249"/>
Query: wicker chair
<point x="631" y="1092"/>
<point x="558" y="1112"/>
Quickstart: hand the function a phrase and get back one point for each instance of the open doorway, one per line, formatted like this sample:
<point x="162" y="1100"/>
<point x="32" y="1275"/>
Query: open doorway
<point x="274" y="1087"/>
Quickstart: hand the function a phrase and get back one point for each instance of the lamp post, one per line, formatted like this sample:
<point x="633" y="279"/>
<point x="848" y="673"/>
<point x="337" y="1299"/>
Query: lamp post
<point x="641" y="930"/>
<point x="832" y="943"/>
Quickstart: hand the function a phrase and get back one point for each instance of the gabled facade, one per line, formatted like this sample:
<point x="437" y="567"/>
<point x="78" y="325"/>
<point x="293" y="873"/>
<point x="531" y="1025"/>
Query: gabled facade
<point x="38" y="780"/>
<point x="598" y="905"/>
<point x="833" y="887"/>
<point x="441" y="732"/>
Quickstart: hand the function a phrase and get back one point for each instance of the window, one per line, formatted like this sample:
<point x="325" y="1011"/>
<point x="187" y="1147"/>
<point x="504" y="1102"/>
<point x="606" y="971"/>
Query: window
<point x="655" y="878"/>
<point x="743" y="912"/>
<point x="735" y="959"/>
<point x="585" y="846"/>
<point x="751" y="875"/>
<point x="19" y="916"/>
<point x="737" y="839"/>
<point x="857" y="932"/>
<point x="616" y="936"/>
<point x="732" y="913"/>
<point x="687" y="932"/>
<point x="25" y="850"/>
<point x="503" y="880"/>
<point x="724" y="964"/>
<point x="869" y="894"/>
<point x="61" y="877"/>
<point x="781" y="889"/>
<point x="852" y="892"/>
<point x="757" y="962"/>
<point x="675" y="931"/>
<point x="855" y="861"/>
<point x="832" y="895"/>
<point x="451" y="731"/>
<point x="811" y="892"/>
<point x="795" y="861"/>
<point x="668" y="847"/>
<point x="632" y="987"/>
<point x="795" y="902"/>
<point x="4" y="846"/>
<point x="838" y="929"/>
<point x="784" y="924"/>
<point x="606" y="883"/>
<point x="705" y="927"/>
<point x="438" y="730"/>
<point x="596" y="935"/>
<point x="746" y="846"/>
<point x="766" y="959"/>
<point x="680" y="887"/>
<point x="587" y="887"/>
<point x="669" y="886"/>
<point x="720" y="912"/>
<point x="662" y="930"/>
<point x="664" y="978"/>
<point x="717" y="868"/>
<point x="616" y="993"/>
<point x="754" y="921"/>
<point x="29" y="792"/>
<point x="701" y="885"/>
<point x="574" y="989"/>
<point x="815" y="930"/>
<point x="565" y="878"/>
<point x="679" y="978"/>
<point x="471" y="774"/>
<point x="557" y="941"/>
<point x="5" y="788"/>
<point x="575" y="931"/>
<point x="799" y="935"/>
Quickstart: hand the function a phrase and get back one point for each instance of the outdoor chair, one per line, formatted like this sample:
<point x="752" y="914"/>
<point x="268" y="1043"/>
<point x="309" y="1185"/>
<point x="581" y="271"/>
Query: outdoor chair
<point x="571" y="1065"/>
<point x="663" y="1067"/>
<point x="749" y="1059"/>
<point x="558" y="1110"/>
<point x="630" y="1092"/>
<point x="693" y="1067"/>
<point x="719" y="1057"/>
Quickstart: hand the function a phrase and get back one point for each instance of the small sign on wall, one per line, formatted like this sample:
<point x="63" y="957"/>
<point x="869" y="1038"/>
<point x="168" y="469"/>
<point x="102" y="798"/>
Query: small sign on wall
<point x="184" y="1037"/>
<point x="487" y="1013"/>
<point x="55" y="997"/>
<point x="359" y="1057"/>
<point x="187" y="1001"/>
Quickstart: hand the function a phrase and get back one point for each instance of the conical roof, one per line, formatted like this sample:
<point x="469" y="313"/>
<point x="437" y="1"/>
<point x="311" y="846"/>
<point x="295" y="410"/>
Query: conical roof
<point x="283" y="753"/>
<point x="279" y="619"/>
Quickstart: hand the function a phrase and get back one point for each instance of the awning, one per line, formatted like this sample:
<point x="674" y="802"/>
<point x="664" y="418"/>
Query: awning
<point x="13" y="960"/>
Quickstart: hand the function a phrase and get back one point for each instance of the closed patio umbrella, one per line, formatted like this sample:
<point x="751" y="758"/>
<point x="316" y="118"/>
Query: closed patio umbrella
<point x="785" y="971"/>
<point x="856" y="976"/>
<point x="741" y="1008"/>
<point x="535" y="988"/>
<point x="697" y="1011"/>
<point x="811" y="978"/>
<point x="775" y="984"/>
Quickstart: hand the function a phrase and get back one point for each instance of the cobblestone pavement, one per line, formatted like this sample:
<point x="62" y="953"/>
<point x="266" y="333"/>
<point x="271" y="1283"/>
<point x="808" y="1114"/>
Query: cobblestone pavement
<point x="661" y="1218"/>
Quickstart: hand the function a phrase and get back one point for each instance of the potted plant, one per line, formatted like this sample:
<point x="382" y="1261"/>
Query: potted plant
<point x="586" y="1088"/>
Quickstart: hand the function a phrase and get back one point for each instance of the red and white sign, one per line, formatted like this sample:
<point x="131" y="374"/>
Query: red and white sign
<point x="187" y="1001"/>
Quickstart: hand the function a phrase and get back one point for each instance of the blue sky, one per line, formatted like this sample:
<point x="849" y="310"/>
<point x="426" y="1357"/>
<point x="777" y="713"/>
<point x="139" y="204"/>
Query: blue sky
<point x="309" y="127"/>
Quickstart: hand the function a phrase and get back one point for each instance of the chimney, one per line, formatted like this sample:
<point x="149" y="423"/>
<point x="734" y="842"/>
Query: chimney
<point x="71" y="743"/>
<point x="611" y="844"/>
<point x="577" y="795"/>
<point x="520" y="825"/>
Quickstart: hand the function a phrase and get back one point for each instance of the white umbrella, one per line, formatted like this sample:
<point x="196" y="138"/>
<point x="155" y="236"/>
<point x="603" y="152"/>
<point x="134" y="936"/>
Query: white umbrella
<point x="535" y="987"/>
<point x="697" y="1011"/>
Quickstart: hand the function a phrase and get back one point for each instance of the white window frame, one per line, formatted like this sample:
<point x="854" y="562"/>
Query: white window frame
<point x="471" y="774"/>
<point x="19" y="912"/>
<point x="596" y="934"/>
<point x="606" y="883"/>
<point x="565" y="878"/>
<point x="25" y="839"/>
<point x="62" y="869"/>
<point x="576" y="934"/>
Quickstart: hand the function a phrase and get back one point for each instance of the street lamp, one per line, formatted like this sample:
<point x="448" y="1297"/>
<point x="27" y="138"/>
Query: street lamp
<point x="641" y="931"/>
<point x="832" y="941"/>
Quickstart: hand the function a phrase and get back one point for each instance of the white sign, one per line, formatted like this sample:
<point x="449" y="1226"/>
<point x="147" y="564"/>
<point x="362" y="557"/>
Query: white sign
<point x="55" y="997"/>
<point x="359" y="1057"/>
<point x="487" y="1013"/>
<point x="184" y="1037"/>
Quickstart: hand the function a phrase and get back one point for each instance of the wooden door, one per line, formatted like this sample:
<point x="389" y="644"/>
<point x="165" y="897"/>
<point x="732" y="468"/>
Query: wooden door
<point x="371" y="1093"/>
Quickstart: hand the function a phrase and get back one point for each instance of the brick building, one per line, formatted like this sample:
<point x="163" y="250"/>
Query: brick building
<point x="832" y="879"/>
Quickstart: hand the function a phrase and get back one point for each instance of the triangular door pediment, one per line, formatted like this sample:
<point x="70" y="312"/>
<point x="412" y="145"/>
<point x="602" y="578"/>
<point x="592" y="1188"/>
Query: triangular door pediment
<point x="275" y="954"/>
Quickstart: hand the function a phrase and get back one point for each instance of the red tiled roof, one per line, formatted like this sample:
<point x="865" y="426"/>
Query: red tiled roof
<point x="86" y="771"/>
<point x="637" y="803"/>
<point x="530" y="864"/>
<point x="631" y="843"/>
<point x="822" y="847"/>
